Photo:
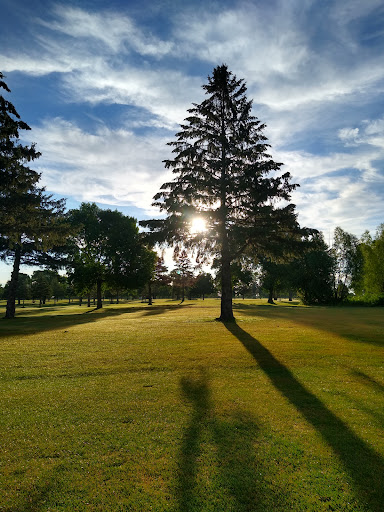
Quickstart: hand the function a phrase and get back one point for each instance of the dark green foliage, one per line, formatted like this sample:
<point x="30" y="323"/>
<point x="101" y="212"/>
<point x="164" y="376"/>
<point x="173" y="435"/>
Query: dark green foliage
<point x="31" y="222"/>
<point x="349" y="263"/>
<point x="373" y="266"/>
<point x="276" y="277"/>
<point x="313" y="274"/>
<point x="183" y="273"/>
<point x="223" y="173"/>
<point x="107" y="248"/>
<point x="369" y="287"/>
<point x="203" y="285"/>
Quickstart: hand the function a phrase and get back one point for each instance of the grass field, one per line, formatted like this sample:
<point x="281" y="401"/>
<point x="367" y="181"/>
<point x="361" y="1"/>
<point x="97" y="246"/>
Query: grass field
<point x="162" y="408"/>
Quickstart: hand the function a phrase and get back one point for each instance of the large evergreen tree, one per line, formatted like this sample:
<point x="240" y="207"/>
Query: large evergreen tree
<point x="31" y="222"/>
<point x="222" y="169"/>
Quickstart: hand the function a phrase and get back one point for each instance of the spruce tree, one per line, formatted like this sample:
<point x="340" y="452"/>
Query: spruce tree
<point x="223" y="174"/>
<point x="31" y="222"/>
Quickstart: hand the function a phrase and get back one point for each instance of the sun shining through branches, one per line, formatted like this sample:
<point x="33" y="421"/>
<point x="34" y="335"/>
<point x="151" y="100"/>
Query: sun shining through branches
<point x="198" y="225"/>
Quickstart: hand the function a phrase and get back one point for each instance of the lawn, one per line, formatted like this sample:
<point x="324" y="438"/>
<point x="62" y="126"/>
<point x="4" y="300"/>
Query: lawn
<point x="162" y="408"/>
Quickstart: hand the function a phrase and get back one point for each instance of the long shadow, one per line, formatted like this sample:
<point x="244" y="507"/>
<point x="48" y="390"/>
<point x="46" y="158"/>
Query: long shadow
<point x="363" y="464"/>
<point x="34" y="499"/>
<point x="198" y="393"/>
<point x="31" y="324"/>
<point x="368" y="380"/>
<point x="240" y="483"/>
<point x="356" y="326"/>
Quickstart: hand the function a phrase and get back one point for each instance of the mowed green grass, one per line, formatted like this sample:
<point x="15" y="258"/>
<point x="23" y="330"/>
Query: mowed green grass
<point x="162" y="408"/>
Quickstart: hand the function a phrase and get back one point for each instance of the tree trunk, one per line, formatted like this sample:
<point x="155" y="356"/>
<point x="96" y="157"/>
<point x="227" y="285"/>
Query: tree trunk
<point x="99" y="304"/>
<point x="150" y="302"/>
<point x="11" y="301"/>
<point x="226" y="281"/>
<point x="290" y="295"/>
<point x="270" y="296"/>
<point x="226" y="278"/>
<point x="89" y="300"/>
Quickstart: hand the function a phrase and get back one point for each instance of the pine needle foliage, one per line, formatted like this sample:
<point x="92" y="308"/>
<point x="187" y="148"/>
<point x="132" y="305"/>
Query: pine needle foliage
<point x="31" y="221"/>
<point x="223" y="173"/>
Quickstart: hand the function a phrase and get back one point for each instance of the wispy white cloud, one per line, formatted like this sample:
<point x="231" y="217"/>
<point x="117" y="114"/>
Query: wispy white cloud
<point x="110" y="166"/>
<point x="116" y="31"/>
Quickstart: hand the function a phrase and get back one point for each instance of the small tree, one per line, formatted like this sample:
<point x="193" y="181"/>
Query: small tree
<point x="222" y="169"/>
<point x="203" y="285"/>
<point x="183" y="269"/>
<point x="349" y="262"/>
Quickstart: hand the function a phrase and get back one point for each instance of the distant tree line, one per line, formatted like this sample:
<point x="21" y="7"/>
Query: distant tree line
<point x="351" y="270"/>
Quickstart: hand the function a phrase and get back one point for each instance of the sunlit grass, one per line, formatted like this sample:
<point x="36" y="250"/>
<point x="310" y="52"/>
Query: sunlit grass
<point x="160" y="407"/>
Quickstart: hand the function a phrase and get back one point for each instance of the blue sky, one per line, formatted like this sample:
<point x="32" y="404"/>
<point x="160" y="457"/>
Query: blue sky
<point x="104" y="86"/>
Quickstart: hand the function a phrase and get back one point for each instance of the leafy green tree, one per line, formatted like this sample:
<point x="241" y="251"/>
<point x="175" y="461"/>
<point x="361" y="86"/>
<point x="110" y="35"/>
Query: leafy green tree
<point x="273" y="278"/>
<point x="223" y="175"/>
<point x="160" y="279"/>
<point x="313" y="273"/>
<point x="373" y="263"/>
<point x="107" y="249"/>
<point x="23" y="291"/>
<point x="184" y="271"/>
<point x="349" y="262"/>
<point x="203" y="285"/>
<point x="243" y="276"/>
<point x="42" y="285"/>
<point x="31" y="222"/>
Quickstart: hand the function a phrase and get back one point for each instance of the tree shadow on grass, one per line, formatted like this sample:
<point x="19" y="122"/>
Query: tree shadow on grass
<point x="239" y="485"/>
<point x="30" y="324"/>
<point x="368" y="380"/>
<point x="355" y="326"/>
<point x="33" y="497"/>
<point x="364" y="466"/>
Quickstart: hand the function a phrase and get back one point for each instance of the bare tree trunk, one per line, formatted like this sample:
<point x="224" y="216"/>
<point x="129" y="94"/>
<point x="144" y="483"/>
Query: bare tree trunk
<point x="11" y="301"/>
<point x="226" y="314"/>
<point x="226" y="284"/>
<point x="270" y="296"/>
<point x="150" y="302"/>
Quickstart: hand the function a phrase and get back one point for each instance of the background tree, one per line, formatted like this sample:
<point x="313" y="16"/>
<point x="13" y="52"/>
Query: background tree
<point x="273" y="278"/>
<point x="107" y="248"/>
<point x="31" y="222"/>
<point x="349" y="262"/>
<point x="313" y="273"/>
<point x="42" y="286"/>
<point x="372" y="249"/>
<point x="203" y="285"/>
<point x="184" y="271"/>
<point x="160" y="278"/>
<point x="222" y="170"/>
<point x="23" y="290"/>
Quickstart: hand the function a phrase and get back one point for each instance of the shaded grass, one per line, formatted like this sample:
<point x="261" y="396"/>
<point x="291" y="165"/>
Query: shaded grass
<point x="162" y="408"/>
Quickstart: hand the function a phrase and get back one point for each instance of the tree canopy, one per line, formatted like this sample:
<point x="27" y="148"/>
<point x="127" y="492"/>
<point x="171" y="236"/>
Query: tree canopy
<point x="225" y="175"/>
<point x="107" y="248"/>
<point x="31" y="221"/>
